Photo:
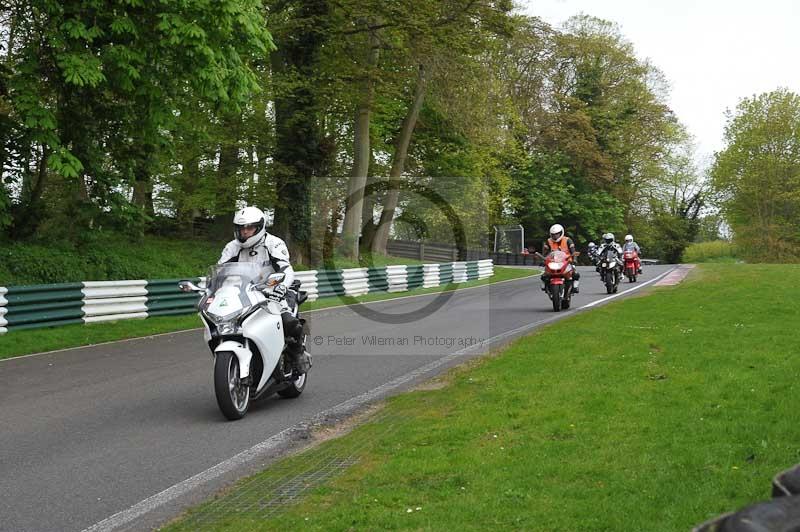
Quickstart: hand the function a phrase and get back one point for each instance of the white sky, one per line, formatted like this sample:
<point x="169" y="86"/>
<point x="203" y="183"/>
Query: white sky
<point x="713" y="52"/>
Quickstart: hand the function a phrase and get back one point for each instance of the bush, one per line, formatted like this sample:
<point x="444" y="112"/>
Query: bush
<point x="715" y="251"/>
<point x="106" y="257"/>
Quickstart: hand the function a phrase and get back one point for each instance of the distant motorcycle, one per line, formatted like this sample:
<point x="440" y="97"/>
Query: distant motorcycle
<point x="560" y="271"/>
<point x="244" y="330"/>
<point x="610" y="269"/>
<point x="630" y="258"/>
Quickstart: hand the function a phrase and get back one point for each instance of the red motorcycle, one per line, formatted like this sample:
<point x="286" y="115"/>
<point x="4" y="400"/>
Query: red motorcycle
<point x="631" y="259"/>
<point x="559" y="269"/>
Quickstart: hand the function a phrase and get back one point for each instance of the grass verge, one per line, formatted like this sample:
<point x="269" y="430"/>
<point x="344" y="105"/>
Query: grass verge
<point x="718" y="251"/>
<point x="40" y="340"/>
<point x="653" y="413"/>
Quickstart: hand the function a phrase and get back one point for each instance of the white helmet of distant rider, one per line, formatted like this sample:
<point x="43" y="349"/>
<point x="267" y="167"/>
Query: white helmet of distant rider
<point x="628" y="238"/>
<point x="608" y="238"/>
<point x="249" y="226"/>
<point x="556" y="232"/>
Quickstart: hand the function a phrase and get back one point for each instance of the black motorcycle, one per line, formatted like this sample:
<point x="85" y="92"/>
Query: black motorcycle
<point x="610" y="265"/>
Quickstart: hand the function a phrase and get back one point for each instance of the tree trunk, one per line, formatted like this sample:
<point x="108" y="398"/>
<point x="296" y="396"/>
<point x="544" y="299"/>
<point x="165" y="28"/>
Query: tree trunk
<point x="402" y="143"/>
<point x="143" y="193"/>
<point x="227" y="182"/>
<point x="190" y="173"/>
<point x="368" y="219"/>
<point x="361" y="155"/>
<point x="28" y="217"/>
<point x="300" y="147"/>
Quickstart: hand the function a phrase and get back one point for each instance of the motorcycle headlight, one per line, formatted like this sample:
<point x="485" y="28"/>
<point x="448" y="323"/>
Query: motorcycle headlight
<point x="228" y="327"/>
<point x="555" y="266"/>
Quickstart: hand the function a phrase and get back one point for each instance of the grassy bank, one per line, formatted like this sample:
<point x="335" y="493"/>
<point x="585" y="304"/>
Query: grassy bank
<point x="39" y="340"/>
<point x="718" y="251"/>
<point x="112" y="258"/>
<point x="653" y="413"/>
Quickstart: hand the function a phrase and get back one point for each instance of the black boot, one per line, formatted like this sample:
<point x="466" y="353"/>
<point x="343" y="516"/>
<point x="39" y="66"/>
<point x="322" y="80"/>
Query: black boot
<point x="299" y="359"/>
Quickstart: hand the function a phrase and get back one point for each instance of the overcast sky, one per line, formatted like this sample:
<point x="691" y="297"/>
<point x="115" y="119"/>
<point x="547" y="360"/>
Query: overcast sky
<point x="713" y="52"/>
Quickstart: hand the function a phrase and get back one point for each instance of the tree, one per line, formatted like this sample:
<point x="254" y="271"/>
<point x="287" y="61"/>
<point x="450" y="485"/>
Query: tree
<point x="758" y="176"/>
<point x="94" y="86"/>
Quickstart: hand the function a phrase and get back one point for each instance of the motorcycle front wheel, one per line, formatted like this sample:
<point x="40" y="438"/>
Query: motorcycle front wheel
<point x="556" y="296"/>
<point x="233" y="396"/>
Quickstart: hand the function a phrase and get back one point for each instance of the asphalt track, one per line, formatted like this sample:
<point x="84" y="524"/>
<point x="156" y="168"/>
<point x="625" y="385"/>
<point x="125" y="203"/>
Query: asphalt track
<point x="87" y="434"/>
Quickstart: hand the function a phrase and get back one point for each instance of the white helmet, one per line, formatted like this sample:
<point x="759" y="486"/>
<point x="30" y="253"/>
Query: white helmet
<point x="609" y="238"/>
<point x="249" y="217"/>
<point x="592" y="245"/>
<point x="556" y="232"/>
<point x="628" y="238"/>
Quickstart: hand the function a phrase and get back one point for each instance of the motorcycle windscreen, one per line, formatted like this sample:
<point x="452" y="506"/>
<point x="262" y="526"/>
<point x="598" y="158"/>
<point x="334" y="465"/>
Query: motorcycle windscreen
<point x="227" y="287"/>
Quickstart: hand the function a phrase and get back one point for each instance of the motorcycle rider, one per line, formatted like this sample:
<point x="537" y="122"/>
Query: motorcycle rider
<point x="559" y="241"/>
<point x="592" y="252"/>
<point x="252" y="243"/>
<point x="630" y="245"/>
<point x="608" y="241"/>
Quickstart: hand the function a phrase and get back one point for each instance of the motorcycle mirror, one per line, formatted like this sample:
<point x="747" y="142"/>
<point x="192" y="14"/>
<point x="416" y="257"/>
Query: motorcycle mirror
<point x="188" y="286"/>
<point x="275" y="278"/>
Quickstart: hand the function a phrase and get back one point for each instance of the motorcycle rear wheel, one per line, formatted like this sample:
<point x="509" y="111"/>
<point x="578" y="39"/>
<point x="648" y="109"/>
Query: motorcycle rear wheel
<point x="295" y="388"/>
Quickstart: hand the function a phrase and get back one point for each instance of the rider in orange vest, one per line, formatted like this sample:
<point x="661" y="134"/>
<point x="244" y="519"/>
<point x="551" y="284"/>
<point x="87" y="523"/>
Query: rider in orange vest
<point x="559" y="241"/>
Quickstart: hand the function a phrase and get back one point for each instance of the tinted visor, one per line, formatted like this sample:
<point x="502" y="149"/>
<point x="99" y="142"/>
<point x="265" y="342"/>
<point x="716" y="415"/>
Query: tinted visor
<point x="245" y="231"/>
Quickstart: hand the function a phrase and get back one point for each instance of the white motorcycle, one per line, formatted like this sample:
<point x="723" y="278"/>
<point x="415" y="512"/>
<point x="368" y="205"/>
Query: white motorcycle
<point x="244" y="330"/>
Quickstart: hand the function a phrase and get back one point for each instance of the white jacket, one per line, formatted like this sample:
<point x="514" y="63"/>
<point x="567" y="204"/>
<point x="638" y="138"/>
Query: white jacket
<point x="271" y="252"/>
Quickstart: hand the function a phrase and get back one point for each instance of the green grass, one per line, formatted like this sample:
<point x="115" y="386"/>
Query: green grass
<point x="653" y="413"/>
<point x="105" y="258"/>
<point x="40" y="340"/>
<point x="718" y="251"/>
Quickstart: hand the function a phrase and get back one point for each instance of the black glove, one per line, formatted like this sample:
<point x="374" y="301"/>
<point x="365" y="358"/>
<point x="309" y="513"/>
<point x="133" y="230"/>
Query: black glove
<point x="277" y="293"/>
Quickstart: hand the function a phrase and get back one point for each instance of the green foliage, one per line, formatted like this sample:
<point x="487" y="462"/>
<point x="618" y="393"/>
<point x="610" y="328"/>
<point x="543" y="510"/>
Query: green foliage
<point x="133" y="115"/>
<point x="713" y="251"/>
<point x="546" y="191"/>
<point x="757" y="176"/>
<point x="93" y="88"/>
<point x="105" y="257"/>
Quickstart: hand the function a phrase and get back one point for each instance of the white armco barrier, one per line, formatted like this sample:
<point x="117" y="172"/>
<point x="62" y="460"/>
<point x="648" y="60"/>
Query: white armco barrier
<point x="3" y="310"/>
<point x="309" y="283"/>
<point x="114" y="300"/>
<point x="355" y="281"/>
<point x="430" y="275"/>
<point x="107" y="289"/>
<point x="118" y="300"/>
<point x="397" y="276"/>
<point x="485" y="268"/>
<point x="115" y="317"/>
<point x="114" y="305"/>
<point x="459" y="272"/>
